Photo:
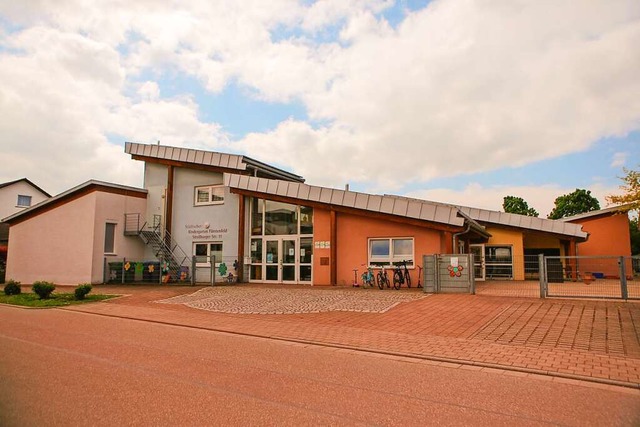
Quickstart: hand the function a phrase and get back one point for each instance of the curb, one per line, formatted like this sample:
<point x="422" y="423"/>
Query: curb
<point x="539" y="372"/>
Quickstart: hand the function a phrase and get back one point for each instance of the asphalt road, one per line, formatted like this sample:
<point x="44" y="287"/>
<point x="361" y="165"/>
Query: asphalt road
<point x="67" y="368"/>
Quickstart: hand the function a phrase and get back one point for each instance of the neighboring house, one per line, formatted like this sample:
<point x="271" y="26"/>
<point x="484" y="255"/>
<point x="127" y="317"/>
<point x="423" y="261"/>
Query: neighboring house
<point x="15" y="196"/>
<point x="266" y="225"/>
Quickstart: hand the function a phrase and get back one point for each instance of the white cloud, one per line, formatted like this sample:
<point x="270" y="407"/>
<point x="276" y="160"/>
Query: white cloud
<point x="541" y="198"/>
<point x="458" y="87"/>
<point x="619" y="160"/>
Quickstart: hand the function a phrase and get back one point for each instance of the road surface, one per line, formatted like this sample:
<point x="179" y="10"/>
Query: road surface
<point x="67" y="368"/>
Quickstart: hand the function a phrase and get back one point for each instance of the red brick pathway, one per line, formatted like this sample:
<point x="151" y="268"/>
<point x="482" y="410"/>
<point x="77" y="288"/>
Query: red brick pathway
<point x="585" y="339"/>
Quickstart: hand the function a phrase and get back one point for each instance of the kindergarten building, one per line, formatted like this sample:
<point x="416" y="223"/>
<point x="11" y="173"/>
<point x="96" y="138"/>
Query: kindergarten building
<point x="200" y="209"/>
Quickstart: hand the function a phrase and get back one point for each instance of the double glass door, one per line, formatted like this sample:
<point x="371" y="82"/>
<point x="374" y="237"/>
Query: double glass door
<point x="280" y="260"/>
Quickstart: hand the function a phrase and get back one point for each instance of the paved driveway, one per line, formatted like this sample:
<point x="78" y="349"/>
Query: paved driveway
<point x="597" y="340"/>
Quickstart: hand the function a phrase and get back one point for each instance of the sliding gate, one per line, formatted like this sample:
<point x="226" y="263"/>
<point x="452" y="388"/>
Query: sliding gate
<point x="590" y="277"/>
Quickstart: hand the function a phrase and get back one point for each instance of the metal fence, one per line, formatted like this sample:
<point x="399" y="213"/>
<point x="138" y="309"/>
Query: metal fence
<point x="125" y="270"/>
<point x="591" y="277"/>
<point x="448" y="273"/>
<point x="216" y="270"/>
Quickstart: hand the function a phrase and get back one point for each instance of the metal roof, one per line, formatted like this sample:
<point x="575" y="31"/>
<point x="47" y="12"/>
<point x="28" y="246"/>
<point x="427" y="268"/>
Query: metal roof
<point x="613" y="209"/>
<point x="514" y="220"/>
<point x="408" y="208"/>
<point x="70" y="192"/>
<point x="207" y="158"/>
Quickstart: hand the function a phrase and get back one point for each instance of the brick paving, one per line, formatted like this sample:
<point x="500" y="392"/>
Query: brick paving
<point x="599" y="340"/>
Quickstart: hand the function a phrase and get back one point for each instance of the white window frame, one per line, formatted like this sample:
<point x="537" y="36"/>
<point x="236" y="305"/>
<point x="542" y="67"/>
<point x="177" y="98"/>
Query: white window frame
<point x="213" y="190"/>
<point x="208" y="261"/>
<point x="389" y="260"/>
<point x="115" y="228"/>
<point x="22" y="205"/>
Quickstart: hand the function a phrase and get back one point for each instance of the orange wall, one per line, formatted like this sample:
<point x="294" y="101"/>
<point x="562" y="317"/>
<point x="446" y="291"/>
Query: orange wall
<point x="353" y="232"/>
<point x="608" y="235"/>
<point x="321" y="233"/>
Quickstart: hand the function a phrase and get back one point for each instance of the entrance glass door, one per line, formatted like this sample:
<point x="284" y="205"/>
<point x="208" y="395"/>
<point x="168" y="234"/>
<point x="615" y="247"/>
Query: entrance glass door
<point x="280" y="260"/>
<point x="478" y="261"/>
<point x="288" y="260"/>
<point x="272" y="260"/>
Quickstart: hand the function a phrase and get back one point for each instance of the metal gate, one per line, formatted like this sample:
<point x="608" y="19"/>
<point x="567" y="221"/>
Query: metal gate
<point x="615" y="277"/>
<point x="448" y="273"/>
<point x="211" y="270"/>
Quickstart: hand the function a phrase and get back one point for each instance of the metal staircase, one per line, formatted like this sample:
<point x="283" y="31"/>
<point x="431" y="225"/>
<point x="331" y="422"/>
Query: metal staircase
<point x="173" y="260"/>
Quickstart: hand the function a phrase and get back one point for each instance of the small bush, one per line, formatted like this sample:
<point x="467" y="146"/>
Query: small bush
<point x="82" y="291"/>
<point x="12" y="288"/>
<point x="43" y="289"/>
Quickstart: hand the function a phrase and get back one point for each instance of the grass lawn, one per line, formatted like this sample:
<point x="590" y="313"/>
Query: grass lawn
<point x="56" y="300"/>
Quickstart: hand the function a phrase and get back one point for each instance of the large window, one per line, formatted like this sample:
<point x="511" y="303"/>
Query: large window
<point x="209" y="195"/>
<point x="498" y="262"/>
<point x="110" y="238"/>
<point x="24" y="201"/>
<point x="204" y="251"/>
<point x="388" y="251"/>
<point x="270" y="218"/>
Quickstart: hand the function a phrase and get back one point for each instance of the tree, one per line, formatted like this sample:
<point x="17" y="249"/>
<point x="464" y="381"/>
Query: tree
<point x="580" y="201"/>
<point x="517" y="205"/>
<point x="631" y="190"/>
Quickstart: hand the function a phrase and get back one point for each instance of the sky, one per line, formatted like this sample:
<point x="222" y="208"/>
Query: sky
<point x="457" y="101"/>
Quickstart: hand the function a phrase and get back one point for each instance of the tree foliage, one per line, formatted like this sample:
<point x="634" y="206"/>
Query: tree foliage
<point x="631" y="190"/>
<point x="580" y="201"/>
<point x="517" y="205"/>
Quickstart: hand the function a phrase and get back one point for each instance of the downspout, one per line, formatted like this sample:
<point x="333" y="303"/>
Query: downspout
<point x="455" y="237"/>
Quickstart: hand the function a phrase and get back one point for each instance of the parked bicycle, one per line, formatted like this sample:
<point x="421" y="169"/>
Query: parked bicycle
<point x="368" y="279"/>
<point x="401" y="275"/>
<point x="382" y="278"/>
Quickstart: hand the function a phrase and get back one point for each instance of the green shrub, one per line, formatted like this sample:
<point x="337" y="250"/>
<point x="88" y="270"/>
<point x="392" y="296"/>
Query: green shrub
<point x="12" y="288"/>
<point x="82" y="290"/>
<point x="43" y="289"/>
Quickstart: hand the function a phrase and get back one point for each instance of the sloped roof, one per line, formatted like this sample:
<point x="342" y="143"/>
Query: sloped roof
<point x="66" y="195"/>
<point x="486" y="216"/>
<point x="6" y="184"/>
<point x="207" y="158"/>
<point x="409" y="208"/>
<point x="611" y="210"/>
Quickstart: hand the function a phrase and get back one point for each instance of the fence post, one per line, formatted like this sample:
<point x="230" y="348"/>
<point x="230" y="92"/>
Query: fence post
<point x="623" y="278"/>
<point x="436" y="282"/>
<point x="193" y="270"/>
<point x="542" y="273"/>
<point x="472" y="275"/>
<point x="124" y="261"/>
<point x="213" y="269"/>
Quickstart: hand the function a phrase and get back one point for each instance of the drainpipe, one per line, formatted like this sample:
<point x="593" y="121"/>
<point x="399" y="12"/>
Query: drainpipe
<point x="455" y="236"/>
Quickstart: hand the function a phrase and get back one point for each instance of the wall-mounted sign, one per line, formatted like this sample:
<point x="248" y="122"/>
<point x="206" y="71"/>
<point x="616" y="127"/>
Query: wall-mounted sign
<point x="205" y="231"/>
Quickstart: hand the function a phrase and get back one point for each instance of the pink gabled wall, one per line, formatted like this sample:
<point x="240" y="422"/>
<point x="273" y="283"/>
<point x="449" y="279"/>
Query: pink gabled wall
<point x="55" y="246"/>
<point x="65" y="244"/>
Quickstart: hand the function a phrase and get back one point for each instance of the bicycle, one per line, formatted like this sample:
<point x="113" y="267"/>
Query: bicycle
<point x="367" y="277"/>
<point x="382" y="278"/>
<point x="401" y="275"/>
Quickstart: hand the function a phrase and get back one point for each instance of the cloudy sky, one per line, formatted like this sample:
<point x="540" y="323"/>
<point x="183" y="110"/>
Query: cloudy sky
<point x="458" y="101"/>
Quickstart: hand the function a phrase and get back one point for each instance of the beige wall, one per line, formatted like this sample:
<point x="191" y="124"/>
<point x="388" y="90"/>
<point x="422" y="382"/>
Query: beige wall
<point x="9" y="197"/>
<point x="65" y="245"/>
